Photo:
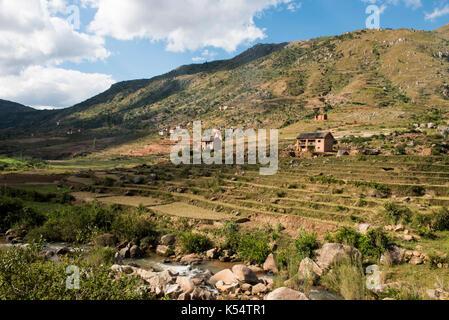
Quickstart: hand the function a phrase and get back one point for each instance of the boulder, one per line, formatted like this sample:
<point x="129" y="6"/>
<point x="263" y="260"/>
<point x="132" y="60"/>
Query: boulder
<point x="164" y="251"/>
<point x="186" y="284"/>
<point x="285" y="293"/>
<point x="259" y="289"/>
<point x="226" y="288"/>
<point x="244" y="274"/>
<point x="192" y="259"/>
<point x="124" y="253"/>
<point x="416" y="260"/>
<point x="270" y="265"/>
<point x="168" y="240"/>
<point x="332" y="253"/>
<point x="212" y="254"/>
<point x="226" y="276"/>
<point x="136" y="252"/>
<point x="309" y="270"/>
<point x="394" y="255"/>
<point x="173" y="290"/>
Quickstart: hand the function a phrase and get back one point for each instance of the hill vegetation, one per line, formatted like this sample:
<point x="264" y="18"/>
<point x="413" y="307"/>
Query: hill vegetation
<point x="366" y="78"/>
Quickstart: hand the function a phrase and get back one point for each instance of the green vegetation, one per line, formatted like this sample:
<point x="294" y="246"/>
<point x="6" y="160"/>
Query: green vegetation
<point x="254" y="247"/>
<point x="195" y="243"/>
<point x="371" y="245"/>
<point x="81" y="224"/>
<point x="10" y="164"/>
<point x="15" y="213"/>
<point x="26" y="275"/>
<point x="306" y="244"/>
<point x="348" y="279"/>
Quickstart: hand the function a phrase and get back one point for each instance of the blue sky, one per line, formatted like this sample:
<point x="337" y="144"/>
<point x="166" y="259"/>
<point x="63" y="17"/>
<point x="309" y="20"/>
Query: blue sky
<point x="123" y="40"/>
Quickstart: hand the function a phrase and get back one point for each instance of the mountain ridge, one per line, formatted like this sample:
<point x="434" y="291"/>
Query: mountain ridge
<point x="385" y="78"/>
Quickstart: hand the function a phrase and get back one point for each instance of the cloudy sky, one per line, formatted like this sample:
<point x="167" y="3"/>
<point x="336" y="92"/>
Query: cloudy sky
<point x="56" y="53"/>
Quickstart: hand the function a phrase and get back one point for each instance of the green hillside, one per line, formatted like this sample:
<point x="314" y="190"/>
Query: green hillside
<point x="365" y="79"/>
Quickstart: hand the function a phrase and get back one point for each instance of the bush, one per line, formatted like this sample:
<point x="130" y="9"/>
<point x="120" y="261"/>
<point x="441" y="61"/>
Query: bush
<point x="31" y="195"/>
<point x="254" y="247"/>
<point x="195" y="243"/>
<point x="371" y="245"/>
<point x="231" y="235"/>
<point x="440" y="220"/>
<point x="396" y="214"/>
<point x="25" y="275"/>
<point x="76" y="224"/>
<point x="306" y="244"/>
<point x="14" y="213"/>
<point x="82" y="224"/>
<point x="132" y="226"/>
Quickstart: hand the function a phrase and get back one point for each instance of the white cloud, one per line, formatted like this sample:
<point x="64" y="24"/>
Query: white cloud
<point x="184" y="25"/>
<point x="437" y="13"/>
<point x="51" y="86"/>
<point x="294" y="6"/>
<point x="414" y="4"/>
<point x="36" y="37"/>
<point x="31" y="35"/>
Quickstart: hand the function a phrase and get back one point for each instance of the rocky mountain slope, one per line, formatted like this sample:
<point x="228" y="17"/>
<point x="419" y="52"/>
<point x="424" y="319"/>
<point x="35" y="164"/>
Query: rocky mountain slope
<point x="385" y="78"/>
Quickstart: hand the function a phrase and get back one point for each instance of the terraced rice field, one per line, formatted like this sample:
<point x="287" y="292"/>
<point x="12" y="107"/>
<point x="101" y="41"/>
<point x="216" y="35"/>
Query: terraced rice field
<point x="330" y="191"/>
<point x="185" y="210"/>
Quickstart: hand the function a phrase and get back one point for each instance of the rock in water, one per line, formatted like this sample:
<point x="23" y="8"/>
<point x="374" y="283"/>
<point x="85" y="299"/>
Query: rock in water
<point x="226" y="276"/>
<point x="136" y="252"/>
<point x="164" y="251"/>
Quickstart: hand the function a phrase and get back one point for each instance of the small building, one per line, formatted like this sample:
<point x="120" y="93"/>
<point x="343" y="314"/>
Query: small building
<point x="321" y="117"/>
<point x="207" y="142"/>
<point x="316" y="142"/>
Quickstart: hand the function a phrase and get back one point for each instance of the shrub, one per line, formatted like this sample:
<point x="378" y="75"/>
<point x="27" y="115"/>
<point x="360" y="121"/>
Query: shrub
<point x="395" y="213"/>
<point x="306" y="244"/>
<point x="254" y="247"/>
<point x="76" y="224"/>
<point x="133" y="226"/>
<point x="400" y="150"/>
<point x="440" y="220"/>
<point x="371" y="245"/>
<point x="195" y="243"/>
<point x="25" y="275"/>
<point x="14" y="213"/>
<point x="231" y="235"/>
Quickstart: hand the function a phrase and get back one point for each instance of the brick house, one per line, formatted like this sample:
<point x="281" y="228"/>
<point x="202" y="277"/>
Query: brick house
<point x="317" y="142"/>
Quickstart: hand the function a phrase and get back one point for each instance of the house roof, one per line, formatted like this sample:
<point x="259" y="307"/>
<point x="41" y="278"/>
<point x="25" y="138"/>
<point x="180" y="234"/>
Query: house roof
<point x="314" y="135"/>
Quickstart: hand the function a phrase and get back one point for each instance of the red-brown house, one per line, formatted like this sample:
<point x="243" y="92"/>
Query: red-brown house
<point x="317" y="142"/>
